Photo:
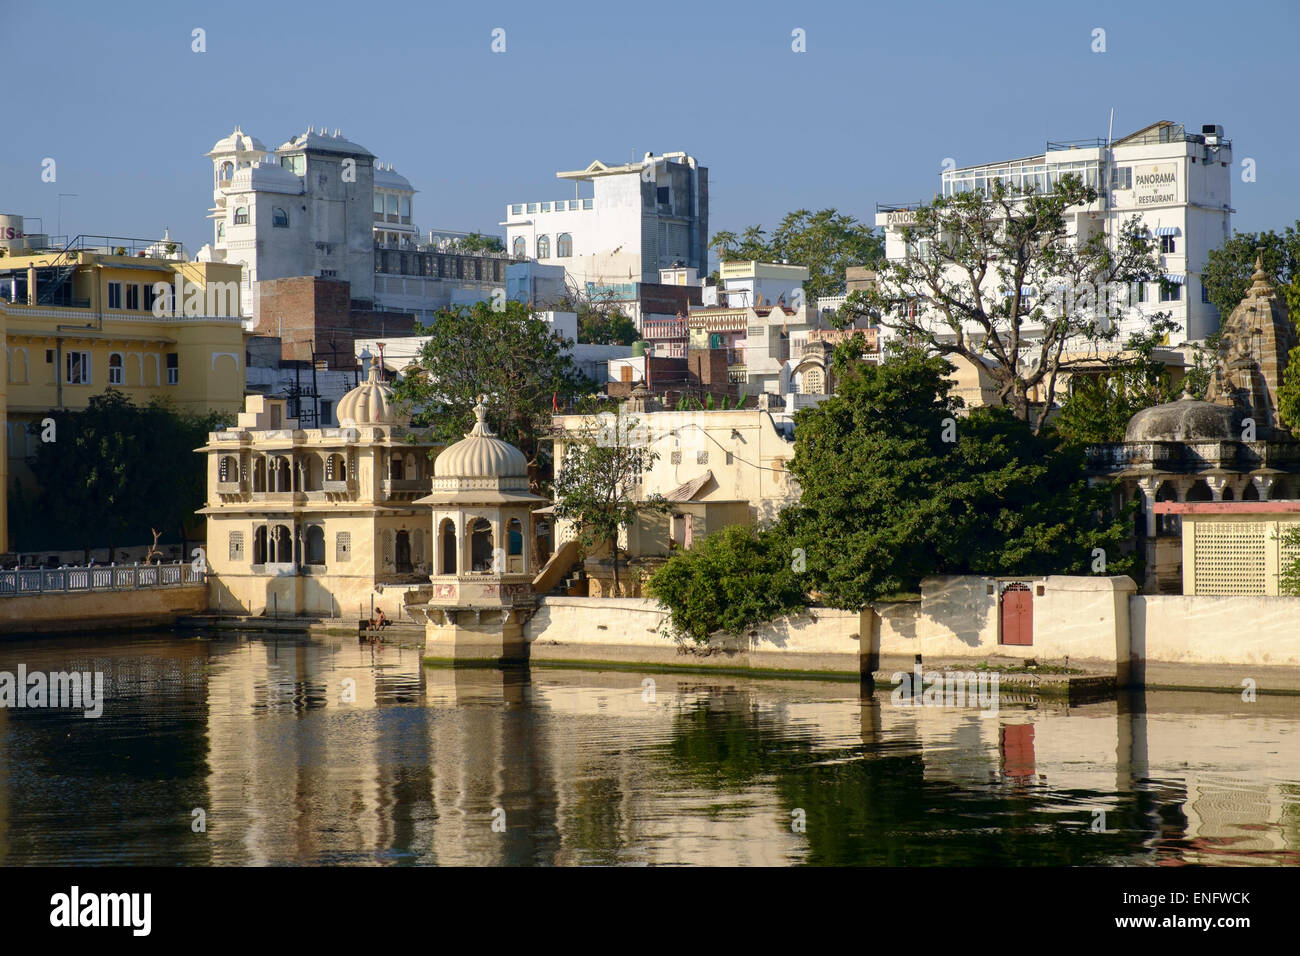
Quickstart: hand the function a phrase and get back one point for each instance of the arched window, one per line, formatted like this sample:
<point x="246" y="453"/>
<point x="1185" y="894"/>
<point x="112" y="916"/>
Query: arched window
<point x="480" y="547"/>
<point x="279" y="217"/>
<point x="519" y="247"/>
<point x="283" y="541"/>
<point x="115" y="368"/>
<point x="515" y="546"/>
<point x="282" y="473"/>
<point x="563" y="245"/>
<point x="403" y="561"/>
<point x="396" y="468"/>
<point x="543" y="247"/>
<point x="221" y="231"/>
<point x="241" y="215"/>
<point x="260" y="551"/>
<point x="447" y="547"/>
<point x="259" y="474"/>
<point x="336" y="468"/>
<point x="227" y="469"/>
<point x="814" y="383"/>
<point x="315" y="544"/>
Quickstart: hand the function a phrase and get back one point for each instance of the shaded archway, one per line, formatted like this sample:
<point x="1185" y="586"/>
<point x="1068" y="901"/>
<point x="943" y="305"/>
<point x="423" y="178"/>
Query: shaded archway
<point x="480" y="548"/>
<point x="282" y="540"/>
<point x="403" y="552"/>
<point x="315" y="544"/>
<point x="515" y="547"/>
<point x="447" y="547"/>
<point x="260" y="551"/>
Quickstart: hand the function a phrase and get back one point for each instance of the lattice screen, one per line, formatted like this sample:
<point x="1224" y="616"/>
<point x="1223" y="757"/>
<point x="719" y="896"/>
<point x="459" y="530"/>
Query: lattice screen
<point x="1230" y="558"/>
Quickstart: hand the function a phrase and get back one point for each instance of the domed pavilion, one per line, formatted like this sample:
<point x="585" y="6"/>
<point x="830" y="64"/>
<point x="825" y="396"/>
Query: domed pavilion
<point x="319" y="521"/>
<point x="1229" y="447"/>
<point x="481" y="587"/>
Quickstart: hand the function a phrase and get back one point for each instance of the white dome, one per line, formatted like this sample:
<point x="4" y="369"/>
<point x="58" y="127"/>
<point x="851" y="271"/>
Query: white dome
<point x="322" y="142"/>
<point x="371" y="403"/>
<point x="387" y="178"/>
<point x="238" y="142"/>
<point x="480" y="454"/>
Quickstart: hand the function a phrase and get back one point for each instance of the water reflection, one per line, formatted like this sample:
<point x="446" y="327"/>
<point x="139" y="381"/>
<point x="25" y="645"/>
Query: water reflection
<point x="320" y="751"/>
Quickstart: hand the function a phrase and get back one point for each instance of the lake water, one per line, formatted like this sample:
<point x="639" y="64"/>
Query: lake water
<point x="241" y="749"/>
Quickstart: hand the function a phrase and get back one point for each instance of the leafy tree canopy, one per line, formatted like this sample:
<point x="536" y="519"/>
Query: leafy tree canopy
<point x="1228" y="269"/>
<point x="113" y="472"/>
<point x="512" y="356"/>
<point x="826" y="241"/>
<point x="478" y="242"/>
<point x="730" y="581"/>
<point x="998" y="281"/>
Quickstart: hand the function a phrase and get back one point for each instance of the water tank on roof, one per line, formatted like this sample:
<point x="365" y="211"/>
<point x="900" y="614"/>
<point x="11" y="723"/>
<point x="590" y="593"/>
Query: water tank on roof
<point x="12" y="236"/>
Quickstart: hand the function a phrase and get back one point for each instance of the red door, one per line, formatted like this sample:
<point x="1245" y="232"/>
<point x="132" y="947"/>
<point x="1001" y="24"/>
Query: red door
<point x="1017" y="746"/>
<point x="1017" y="615"/>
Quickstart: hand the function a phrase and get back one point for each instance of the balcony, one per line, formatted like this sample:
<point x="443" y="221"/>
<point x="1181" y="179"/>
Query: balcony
<point x="348" y="487"/>
<point x="738" y="374"/>
<point x="404" y="489"/>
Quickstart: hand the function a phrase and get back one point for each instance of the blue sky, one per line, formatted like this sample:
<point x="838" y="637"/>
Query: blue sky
<point x="113" y="92"/>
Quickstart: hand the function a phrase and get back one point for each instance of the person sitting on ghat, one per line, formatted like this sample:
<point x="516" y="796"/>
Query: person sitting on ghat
<point x="378" y="620"/>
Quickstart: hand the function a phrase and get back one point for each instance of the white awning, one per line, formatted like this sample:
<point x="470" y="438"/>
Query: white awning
<point x="1167" y="231"/>
<point x="1177" y="278"/>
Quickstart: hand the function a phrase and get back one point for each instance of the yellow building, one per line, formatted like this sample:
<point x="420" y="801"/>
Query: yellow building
<point x="714" y="468"/>
<point x="319" y="521"/>
<point x="1234" y="547"/>
<point x="77" y="322"/>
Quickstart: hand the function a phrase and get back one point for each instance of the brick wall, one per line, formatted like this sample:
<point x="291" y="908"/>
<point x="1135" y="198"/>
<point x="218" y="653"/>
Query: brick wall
<point x="310" y="310"/>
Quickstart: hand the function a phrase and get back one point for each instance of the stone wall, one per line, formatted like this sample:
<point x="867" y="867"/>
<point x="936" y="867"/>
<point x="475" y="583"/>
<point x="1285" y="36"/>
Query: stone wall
<point x="74" y="613"/>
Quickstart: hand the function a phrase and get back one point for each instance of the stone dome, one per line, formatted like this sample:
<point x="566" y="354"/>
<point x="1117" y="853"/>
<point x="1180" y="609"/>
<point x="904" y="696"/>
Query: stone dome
<point x="480" y="454"/>
<point x="237" y="142"/>
<point x="1185" y="420"/>
<point x="371" y="403"/>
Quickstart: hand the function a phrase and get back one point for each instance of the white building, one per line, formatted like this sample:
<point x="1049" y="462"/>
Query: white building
<point x="302" y="210"/>
<point x="640" y="217"/>
<point x="1178" y="183"/>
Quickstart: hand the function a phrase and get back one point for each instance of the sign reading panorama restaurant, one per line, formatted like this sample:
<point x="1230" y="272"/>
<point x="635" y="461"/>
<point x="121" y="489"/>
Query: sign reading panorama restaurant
<point x="1155" y="185"/>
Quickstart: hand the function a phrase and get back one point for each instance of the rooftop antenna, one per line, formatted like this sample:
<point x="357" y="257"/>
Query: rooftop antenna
<point x="1111" y="128"/>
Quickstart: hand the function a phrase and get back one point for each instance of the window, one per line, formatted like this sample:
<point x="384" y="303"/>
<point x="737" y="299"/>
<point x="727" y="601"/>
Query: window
<point x="662" y="195"/>
<point x="517" y="209"/>
<point x="279" y="217"/>
<point x="115" y="369"/>
<point x="1124" y="177"/>
<point x="133" y="297"/>
<point x="519" y="247"/>
<point x="343" y="546"/>
<point x="1205" y="293"/>
<point x="1170" y="292"/>
<point x="241" y="215"/>
<point x="543" y="247"/>
<point x="1168" y="246"/>
<point x="78" y="368"/>
<point x="236" y="546"/>
<point x="173" y="369"/>
<point x="326" y="413"/>
<point x="405" y="207"/>
<point x="221" y="231"/>
<point x="379" y="207"/>
<point x="315" y="544"/>
<point x="115" y="295"/>
<point x="1141" y="291"/>
<point x="546" y="207"/>
<point x="563" y="245"/>
<point x="390" y="207"/>
<point x="701" y="458"/>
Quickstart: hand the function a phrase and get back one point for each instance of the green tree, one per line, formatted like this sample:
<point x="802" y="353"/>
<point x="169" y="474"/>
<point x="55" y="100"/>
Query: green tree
<point x="113" y="472"/>
<point x="895" y="487"/>
<point x="477" y="242"/>
<point x="731" y="581"/>
<point x="605" y="326"/>
<point x="1099" y="407"/>
<point x="1228" y="268"/>
<point x="513" y="357"/>
<point x="1289" y="577"/>
<point x="1288" y="395"/>
<point x="826" y="241"/>
<point x="598" y="483"/>
<point x="961" y="290"/>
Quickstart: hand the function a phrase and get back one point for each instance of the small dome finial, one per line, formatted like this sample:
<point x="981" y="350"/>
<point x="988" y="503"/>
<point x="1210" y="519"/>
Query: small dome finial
<point x="1259" y="281"/>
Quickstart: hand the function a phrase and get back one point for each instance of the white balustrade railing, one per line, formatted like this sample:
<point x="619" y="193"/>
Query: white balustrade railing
<point x="100" y="577"/>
